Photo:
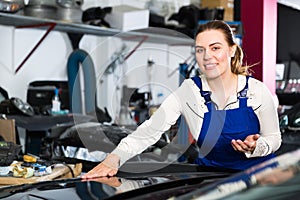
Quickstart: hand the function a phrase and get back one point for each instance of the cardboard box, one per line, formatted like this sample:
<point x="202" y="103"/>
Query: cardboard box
<point x="228" y="6"/>
<point x="7" y="130"/>
<point x="127" y="18"/>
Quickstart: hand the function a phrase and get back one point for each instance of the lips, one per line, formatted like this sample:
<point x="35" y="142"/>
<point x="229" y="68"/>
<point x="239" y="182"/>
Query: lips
<point x="210" y="66"/>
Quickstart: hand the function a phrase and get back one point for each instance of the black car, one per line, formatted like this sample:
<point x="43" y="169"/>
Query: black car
<point x="151" y="177"/>
<point x="278" y="178"/>
<point x="167" y="181"/>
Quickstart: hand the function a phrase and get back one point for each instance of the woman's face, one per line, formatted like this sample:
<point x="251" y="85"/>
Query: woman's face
<point x="213" y="54"/>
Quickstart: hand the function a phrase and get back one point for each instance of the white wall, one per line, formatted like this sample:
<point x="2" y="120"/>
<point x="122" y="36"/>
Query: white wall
<point x="48" y="62"/>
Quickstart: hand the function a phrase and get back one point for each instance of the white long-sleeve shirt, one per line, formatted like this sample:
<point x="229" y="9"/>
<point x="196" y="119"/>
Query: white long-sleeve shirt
<point x="188" y="102"/>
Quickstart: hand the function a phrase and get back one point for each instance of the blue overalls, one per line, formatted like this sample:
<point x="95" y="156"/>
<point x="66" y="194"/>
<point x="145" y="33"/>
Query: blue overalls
<point x="220" y="127"/>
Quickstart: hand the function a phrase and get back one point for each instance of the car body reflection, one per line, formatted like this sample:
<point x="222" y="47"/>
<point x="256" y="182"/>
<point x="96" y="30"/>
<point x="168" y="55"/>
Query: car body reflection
<point x="278" y="178"/>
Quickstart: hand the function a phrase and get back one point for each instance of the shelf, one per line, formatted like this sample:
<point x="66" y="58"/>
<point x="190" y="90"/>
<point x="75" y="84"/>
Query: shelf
<point x="154" y="35"/>
<point x="21" y="20"/>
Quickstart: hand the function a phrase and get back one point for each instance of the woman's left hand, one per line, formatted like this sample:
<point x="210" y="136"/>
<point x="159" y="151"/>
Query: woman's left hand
<point x="246" y="146"/>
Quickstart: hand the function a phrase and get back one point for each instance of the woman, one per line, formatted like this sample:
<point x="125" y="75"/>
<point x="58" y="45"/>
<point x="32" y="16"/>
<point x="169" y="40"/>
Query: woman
<point x="232" y="116"/>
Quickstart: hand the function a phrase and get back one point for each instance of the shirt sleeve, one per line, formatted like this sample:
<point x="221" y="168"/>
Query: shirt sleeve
<point x="262" y="149"/>
<point x="150" y="131"/>
<point x="270" y="139"/>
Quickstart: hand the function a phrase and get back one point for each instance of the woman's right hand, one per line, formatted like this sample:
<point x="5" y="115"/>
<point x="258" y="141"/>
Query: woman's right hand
<point x="109" y="167"/>
<point x="246" y="146"/>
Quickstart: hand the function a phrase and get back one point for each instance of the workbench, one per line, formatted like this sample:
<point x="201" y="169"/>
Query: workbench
<point x="58" y="172"/>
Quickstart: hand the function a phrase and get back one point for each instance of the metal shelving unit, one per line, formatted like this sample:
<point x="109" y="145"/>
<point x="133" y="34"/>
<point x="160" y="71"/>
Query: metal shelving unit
<point x="155" y="35"/>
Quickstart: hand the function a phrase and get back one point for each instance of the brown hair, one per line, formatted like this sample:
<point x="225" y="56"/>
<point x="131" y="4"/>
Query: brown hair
<point x="237" y="61"/>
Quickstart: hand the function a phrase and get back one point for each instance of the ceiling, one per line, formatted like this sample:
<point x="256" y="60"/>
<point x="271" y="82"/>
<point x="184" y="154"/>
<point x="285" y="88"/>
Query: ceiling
<point x="291" y="3"/>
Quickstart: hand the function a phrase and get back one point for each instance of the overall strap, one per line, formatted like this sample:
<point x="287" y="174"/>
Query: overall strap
<point x="204" y="94"/>
<point x="243" y="94"/>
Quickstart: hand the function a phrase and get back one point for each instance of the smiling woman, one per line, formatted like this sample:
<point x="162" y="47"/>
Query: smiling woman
<point x="231" y="115"/>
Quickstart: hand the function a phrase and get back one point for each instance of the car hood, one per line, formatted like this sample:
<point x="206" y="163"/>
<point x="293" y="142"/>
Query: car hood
<point x="169" y="180"/>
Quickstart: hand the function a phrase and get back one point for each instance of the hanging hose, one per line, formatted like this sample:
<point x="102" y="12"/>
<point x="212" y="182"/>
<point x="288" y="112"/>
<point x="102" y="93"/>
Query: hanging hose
<point x="76" y="58"/>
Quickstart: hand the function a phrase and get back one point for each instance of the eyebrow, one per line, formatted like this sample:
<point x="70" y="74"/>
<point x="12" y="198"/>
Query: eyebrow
<point x="209" y="45"/>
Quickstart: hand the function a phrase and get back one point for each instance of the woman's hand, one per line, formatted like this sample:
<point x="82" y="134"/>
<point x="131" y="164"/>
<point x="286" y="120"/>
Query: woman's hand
<point x="109" y="167"/>
<point x="246" y="146"/>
